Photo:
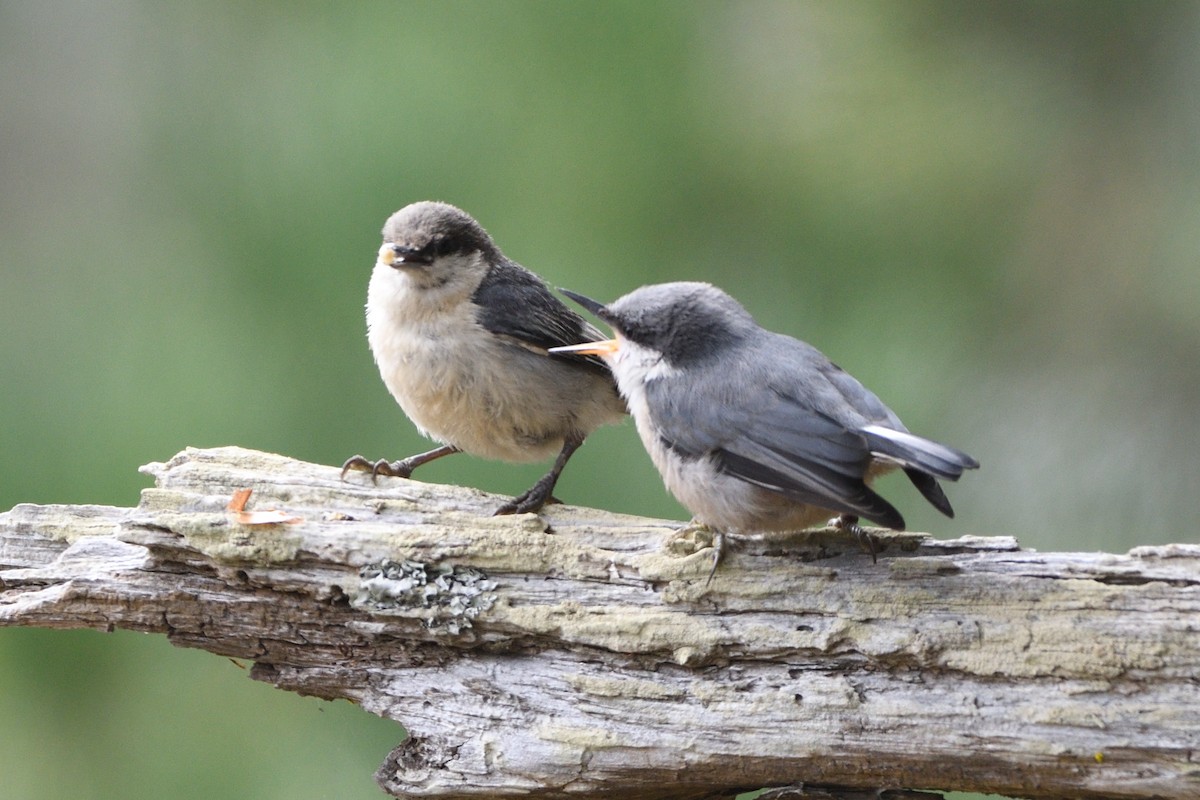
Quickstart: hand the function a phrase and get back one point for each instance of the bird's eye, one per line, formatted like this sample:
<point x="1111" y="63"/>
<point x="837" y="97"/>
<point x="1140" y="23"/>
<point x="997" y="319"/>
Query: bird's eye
<point x="443" y="246"/>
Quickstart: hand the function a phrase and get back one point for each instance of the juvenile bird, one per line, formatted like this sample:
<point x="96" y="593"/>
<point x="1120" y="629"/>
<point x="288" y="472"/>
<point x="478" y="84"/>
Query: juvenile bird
<point x="754" y="430"/>
<point x="460" y="334"/>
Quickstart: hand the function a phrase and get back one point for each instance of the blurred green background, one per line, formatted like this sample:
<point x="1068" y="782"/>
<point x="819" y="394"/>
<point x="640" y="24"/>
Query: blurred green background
<point x="988" y="212"/>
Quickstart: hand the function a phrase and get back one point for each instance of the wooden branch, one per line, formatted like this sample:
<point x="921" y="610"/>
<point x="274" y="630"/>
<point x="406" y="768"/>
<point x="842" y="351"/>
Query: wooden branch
<point x="578" y="653"/>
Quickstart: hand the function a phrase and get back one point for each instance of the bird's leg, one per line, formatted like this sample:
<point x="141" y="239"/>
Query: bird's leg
<point x="718" y="547"/>
<point x="685" y="541"/>
<point x="396" y="469"/>
<point x="532" y="500"/>
<point x="849" y="523"/>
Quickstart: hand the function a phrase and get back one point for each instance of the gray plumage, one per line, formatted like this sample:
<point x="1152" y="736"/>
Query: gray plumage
<point x="460" y="334"/>
<point x="754" y="430"/>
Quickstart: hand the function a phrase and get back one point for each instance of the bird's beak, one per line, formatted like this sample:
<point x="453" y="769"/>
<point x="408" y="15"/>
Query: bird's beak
<point x="605" y="348"/>
<point x="591" y="305"/>
<point x="398" y="256"/>
<point x="389" y="257"/>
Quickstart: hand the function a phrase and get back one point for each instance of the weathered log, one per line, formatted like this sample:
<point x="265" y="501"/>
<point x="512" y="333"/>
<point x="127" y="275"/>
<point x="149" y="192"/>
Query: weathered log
<point x="582" y="653"/>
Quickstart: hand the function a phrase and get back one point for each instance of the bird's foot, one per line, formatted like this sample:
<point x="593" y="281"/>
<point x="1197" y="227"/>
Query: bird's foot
<point x="542" y="492"/>
<point x="694" y="537"/>
<point x="718" y="546"/>
<point x="849" y="524"/>
<point x="395" y="469"/>
<point x="531" y="501"/>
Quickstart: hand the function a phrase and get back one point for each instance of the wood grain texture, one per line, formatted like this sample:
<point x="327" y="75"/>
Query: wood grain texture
<point x="581" y="654"/>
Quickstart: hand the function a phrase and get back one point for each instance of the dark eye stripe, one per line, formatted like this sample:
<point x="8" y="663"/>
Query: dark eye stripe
<point x="444" y="246"/>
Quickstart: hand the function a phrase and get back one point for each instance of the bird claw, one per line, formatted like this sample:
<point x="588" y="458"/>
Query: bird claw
<point x="531" y="501"/>
<point x="690" y="539"/>
<point x="849" y="524"/>
<point x="392" y="469"/>
<point x="718" y="548"/>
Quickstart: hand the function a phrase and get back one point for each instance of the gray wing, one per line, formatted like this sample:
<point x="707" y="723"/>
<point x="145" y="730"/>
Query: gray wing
<point x="773" y="433"/>
<point x="829" y="388"/>
<point x="844" y="399"/>
<point x="515" y="302"/>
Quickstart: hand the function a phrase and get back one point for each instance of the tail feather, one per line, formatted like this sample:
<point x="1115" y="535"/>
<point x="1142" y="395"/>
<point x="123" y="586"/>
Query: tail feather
<point x="924" y="461"/>
<point x="914" y="452"/>
<point x="931" y="490"/>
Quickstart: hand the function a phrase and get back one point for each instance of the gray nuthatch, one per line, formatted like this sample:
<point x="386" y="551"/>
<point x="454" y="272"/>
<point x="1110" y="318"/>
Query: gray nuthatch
<point x="754" y="430"/>
<point x="460" y="334"/>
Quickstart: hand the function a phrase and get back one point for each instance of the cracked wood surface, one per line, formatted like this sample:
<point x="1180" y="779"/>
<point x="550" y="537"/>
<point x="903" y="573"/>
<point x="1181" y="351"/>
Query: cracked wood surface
<point x="580" y="652"/>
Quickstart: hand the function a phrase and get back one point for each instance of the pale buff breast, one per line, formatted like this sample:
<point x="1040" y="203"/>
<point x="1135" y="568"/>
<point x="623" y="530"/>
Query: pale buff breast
<point x="485" y="395"/>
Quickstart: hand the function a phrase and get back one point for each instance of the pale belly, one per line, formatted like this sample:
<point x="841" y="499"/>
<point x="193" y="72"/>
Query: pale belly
<point x="488" y="397"/>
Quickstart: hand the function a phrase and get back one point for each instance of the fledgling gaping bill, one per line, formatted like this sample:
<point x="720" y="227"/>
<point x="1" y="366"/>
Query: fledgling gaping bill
<point x="460" y="334"/>
<point x="754" y="430"/>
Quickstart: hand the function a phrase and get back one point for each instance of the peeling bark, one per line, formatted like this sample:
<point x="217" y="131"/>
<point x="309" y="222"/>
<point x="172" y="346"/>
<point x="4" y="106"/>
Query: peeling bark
<point x="581" y="653"/>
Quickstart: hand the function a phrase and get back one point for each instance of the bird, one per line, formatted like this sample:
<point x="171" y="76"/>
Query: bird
<point x="461" y="335"/>
<point x="754" y="430"/>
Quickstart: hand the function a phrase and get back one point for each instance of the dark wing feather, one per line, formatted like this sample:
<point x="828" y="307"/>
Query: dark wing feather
<point x="769" y="438"/>
<point x="808" y="482"/>
<point x="515" y="302"/>
<point x="924" y="461"/>
<point x="930" y="489"/>
<point x="859" y="409"/>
